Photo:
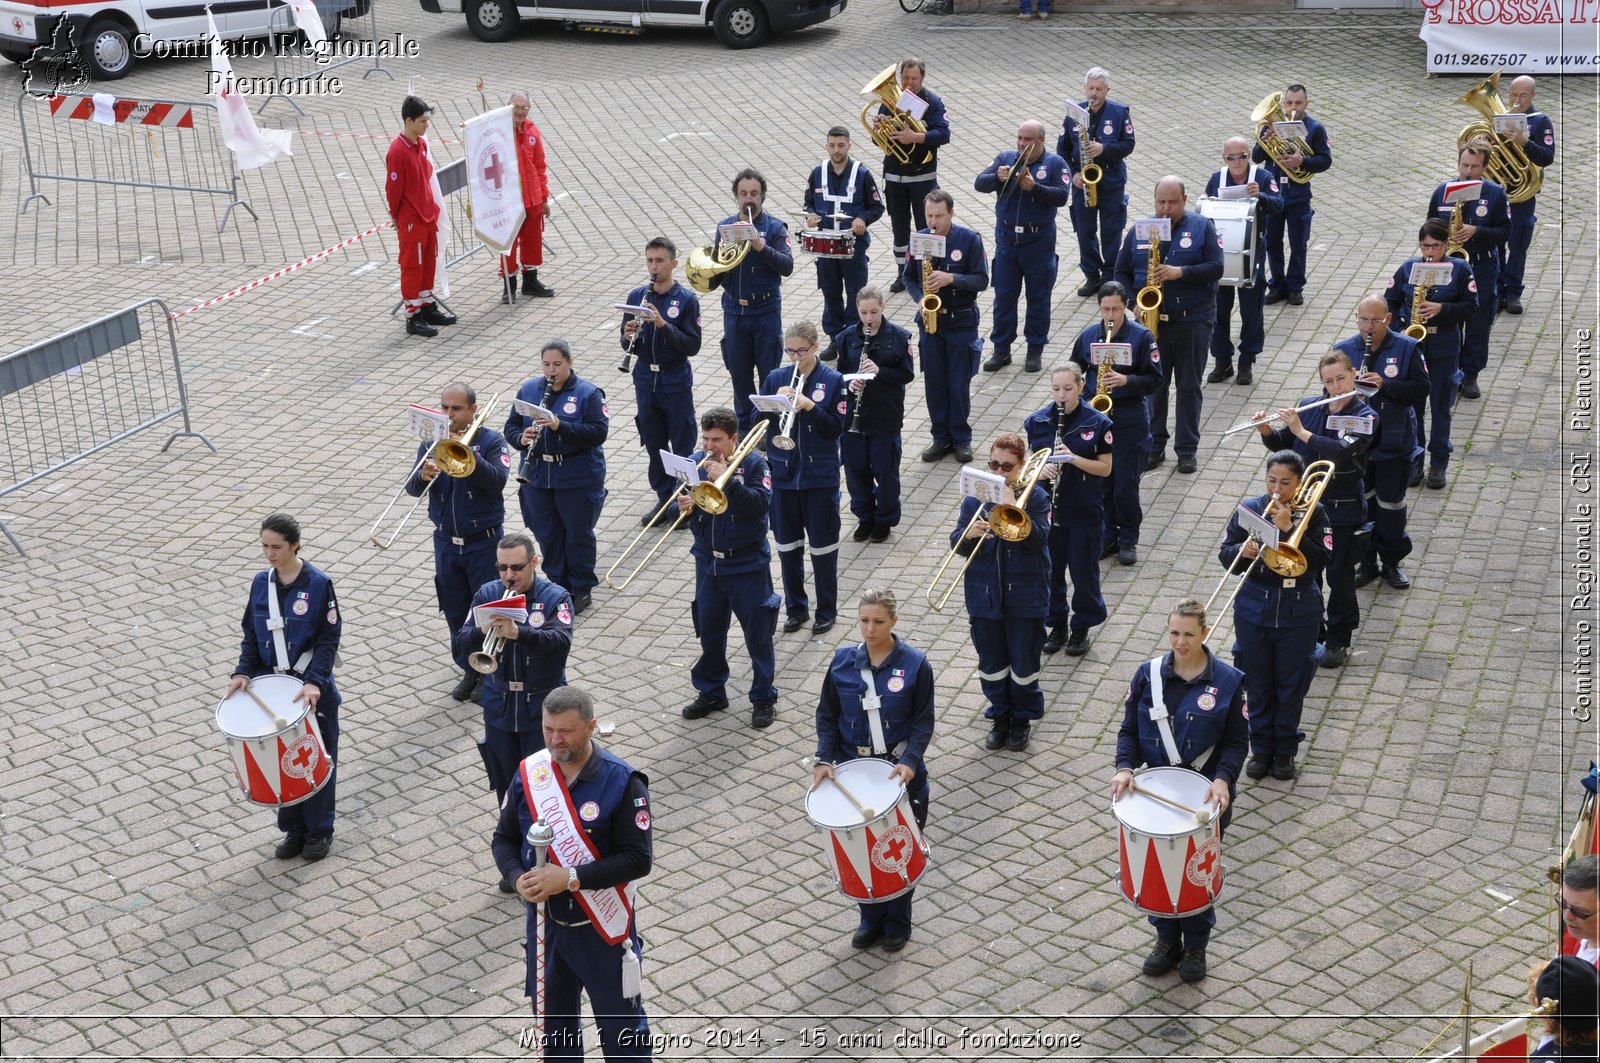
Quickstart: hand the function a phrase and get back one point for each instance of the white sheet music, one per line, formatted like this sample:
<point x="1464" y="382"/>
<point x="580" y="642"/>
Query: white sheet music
<point x="925" y="245"/>
<point x="1264" y="529"/>
<point x="771" y="403"/>
<point x="1233" y="191"/>
<point x="1079" y="116"/>
<point x="533" y="410"/>
<point x="982" y="485"/>
<point x="1111" y="353"/>
<point x="680" y="466"/>
<point x="1427" y="274"/>
<point x="425" y="423"/>
<point x="1461" y="192"/>
<point x="912" y="104"/>
<point x="1290" y="130"/>
<point x="1143" y="227"/>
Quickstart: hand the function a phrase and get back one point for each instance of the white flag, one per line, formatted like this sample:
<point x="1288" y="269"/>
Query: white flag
<point x="252" y="147"/>
<point x="310" y="23"/>
<point x="494" y="181"/>
<point x="441" y="275"/>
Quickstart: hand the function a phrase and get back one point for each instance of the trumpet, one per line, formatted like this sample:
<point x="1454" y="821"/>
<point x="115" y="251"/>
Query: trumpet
<point x="784" y="440"/>
<point x="931" y="303"/>
<point x="1361" y="390"/>
<point x="1101" y="402"/>
<point x="1149" y="297"/>
<point x="455" y="459"/>
<point x="1417" y="330"/>
<point x="1090" y="170"/>
<point x="1008" y="520"/>
<point x="626" y="365"/>
<point x="486" y="661"/>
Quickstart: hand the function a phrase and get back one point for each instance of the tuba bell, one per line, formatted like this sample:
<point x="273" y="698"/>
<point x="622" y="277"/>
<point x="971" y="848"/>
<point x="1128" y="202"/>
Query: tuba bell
<point x="1270" y="110"/>
<point x="883" y="89"/>
<point x="1509" y="166"/>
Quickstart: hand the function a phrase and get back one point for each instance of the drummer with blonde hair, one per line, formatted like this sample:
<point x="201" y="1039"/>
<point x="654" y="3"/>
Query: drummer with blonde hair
<point x="1201" y="726"/>
<point x="893" y="724"/>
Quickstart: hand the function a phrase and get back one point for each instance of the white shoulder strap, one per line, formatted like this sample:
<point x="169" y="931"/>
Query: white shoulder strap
<point x="1158" y="713"/>
<point x="275" y="621"/>
<point x="872" y="705"/>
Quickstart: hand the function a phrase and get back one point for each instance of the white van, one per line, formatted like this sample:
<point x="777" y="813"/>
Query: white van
<point x="738" y="23"/>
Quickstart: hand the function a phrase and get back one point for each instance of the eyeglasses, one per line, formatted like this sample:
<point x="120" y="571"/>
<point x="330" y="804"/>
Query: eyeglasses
<point x="1002" y="466"/>
<point x="1234" y="158"/>
<point x="798" y="351"/>
<point x="1577" y="913"/>
<point x="1430" y="245"/>
<point x="513" y="568"/>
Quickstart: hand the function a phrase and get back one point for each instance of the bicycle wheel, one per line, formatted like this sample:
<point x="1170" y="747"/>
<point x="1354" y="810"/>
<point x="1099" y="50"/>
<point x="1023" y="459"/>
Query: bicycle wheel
<point x="909" y="6"/>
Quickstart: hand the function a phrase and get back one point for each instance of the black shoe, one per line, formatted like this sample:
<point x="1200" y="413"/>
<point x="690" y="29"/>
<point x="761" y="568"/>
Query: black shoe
<point x="863" y="531"/>
<point x="1192" y="967"/>
<point x="1089" y="286"/>
<point x="1017" y="740"/>
<point x="795" y="621"/>
<point x="998" y="732"/>
<point x="1055" y="640"/>
<point x="1334" y="656"/>
<point x="652" y="520"/>
<point x="1436" y="479"/>
<point x="477" y="694"/>
<point x="1416" y="474"/>
<point x="416" y="325"/>
<point x="531" y="285"/>
<point x="1258" y="766"/>
<point x="1283" y="768"/>
<point x="937" y="451"/>
<point x="1396" y="577"/>
<point x="581" y="601"/>
<point x="463" y="689"/>
<point x="317" y="848"/>
<point x="997" y="361"/>
<point x="963" y="453"/>
<point x="822" y="627"/>
<point x="1110" y="549"/>
<point x="1188" y="466"/>
<point x="1245" y="378"/>
<point x="508" y="291"/>
<point x="895" y="942"/>
<point x="1034" y="362"/>
<point x="1296" y="299"/>
<point x="434" y="316"/>
<point x="1157" y="457"/>
<point x="1366" y="572"/>
<point x="1127" y="554"/>
<point x="1078" y="644"/>
<point x="703" y="706"/>
<point x="1162" y="959"/>
<point x="880" y="533"/>
<point x="762" y="713"/>
<point x="1274" y="297"/>
<point x="897" y="286"/>
<point x="291" y="846"/>
<point x="1469" y="388"/>
<point x="1219" y="374"/>
<point x="506" y="885"/>
<point x="1513" y="304"/>
<point x="865" y="937"/>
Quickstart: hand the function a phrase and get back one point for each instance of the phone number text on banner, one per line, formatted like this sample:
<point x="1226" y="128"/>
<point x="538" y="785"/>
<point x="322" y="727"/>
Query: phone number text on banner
<point x="1518" y="36"/>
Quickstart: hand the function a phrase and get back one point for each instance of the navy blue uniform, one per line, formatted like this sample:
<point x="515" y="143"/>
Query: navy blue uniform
<point x="1077" y="505"/>
<point x="1130" y="418"/>
<point x="950" y="354"/>
<point x="1441" y="350"/>
<point x="905" y="688"/>
<point x="311" y="628"/>
<point x="469" y="516"/>
<point x="1207" y="718"/>
<point x="1541" y="151"/>
<point x="1297" y="213"/>
<point x="805" y="490"/>
<point x="1275" y="621"/>
<point x="1099" y="228"/>
<point x="1024" y="245"/>
<point x="531" y="665"/>
<point x="1344" y="501"/>
<point x="565" y="467"/>
<point x="1398" y="361"/>
<point x="576" y="956"/>
<point x="1006" y="607"/>
<point x="1188" y="308"/>
<point x="733" y="578"/>
<point x="907" y="184"/>
<point x="855" y="193"/>
<point x="752" y="311"/>
<point x="663" y="379"/>
<point x="1491" y="213"/>
<point x="1252" y="321"/>
<point x="870" y="446"/>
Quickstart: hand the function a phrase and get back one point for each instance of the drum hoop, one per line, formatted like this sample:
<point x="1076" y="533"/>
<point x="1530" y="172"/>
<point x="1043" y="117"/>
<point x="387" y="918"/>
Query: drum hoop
<point x="299" y="712"/>
<point x="900" y="795"/>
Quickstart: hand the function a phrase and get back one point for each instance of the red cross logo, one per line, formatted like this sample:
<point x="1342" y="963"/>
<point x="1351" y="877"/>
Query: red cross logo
<point x="302" y="759"/>
<point x="493" y="172"/>
<point x="895" y="849"/>
<point x="1208" y="860"/>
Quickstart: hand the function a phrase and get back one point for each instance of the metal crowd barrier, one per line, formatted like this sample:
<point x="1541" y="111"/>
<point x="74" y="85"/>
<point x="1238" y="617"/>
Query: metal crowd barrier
<point x="166" y="144"/>
<point x="69" y="396"/>
<point x="294" y="60"/>
<point x="464" y="242"/>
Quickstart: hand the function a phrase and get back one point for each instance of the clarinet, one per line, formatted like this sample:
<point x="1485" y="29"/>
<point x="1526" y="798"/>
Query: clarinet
<point x="527" y="453"/>
<point x="1061" y="441"/>
<point x="861" y="399"/>
<point x="626" y="365"/>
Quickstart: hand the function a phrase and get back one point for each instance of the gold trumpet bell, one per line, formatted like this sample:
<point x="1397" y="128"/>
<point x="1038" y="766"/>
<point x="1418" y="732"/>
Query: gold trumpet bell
<point x="1010" y="522"/>
<point x="454" y="458"/>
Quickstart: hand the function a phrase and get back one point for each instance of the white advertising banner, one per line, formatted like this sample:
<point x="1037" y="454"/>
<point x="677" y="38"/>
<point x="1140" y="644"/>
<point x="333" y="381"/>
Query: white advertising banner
<point x="1518" y="36"/>
<point x="494" y="183"/>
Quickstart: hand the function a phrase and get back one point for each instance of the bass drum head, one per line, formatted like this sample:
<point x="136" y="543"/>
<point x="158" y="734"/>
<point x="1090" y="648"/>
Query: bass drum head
<point x="238" y="716"/>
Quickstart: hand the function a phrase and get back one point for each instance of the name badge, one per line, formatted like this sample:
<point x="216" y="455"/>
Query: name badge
<point x="1339" y="423"/>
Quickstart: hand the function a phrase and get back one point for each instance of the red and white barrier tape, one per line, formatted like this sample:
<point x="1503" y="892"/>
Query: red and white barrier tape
<point x="275" y="274"/>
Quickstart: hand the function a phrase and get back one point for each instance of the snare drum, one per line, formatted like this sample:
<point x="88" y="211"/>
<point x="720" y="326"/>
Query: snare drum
<point x="1171" y="865"/>
<point x="828" y="243"/>
<point x="876" y="857"/>
<point x="275" y="767"/>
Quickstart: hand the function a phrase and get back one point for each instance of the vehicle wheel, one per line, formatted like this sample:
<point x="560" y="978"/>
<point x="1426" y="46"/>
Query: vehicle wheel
<point x="741" y="23"/>
<point x="108" y="47"/>
<point x="492" y="20"/>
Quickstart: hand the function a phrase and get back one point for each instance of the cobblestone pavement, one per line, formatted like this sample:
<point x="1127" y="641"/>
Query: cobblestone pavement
<point x="144" y="913"/>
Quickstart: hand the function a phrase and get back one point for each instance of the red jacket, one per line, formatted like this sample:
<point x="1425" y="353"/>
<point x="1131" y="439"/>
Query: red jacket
<point x="530" y="161"/>
<point x="410" y="186"/>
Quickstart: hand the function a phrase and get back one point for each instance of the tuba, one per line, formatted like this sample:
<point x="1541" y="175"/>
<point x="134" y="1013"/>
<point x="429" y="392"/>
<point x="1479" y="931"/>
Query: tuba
<point x="1149" y="298"/>
<point x="931" y="303"/>
<point x="707" y="262"/>
<point x="882" y="88"/>
<point x="1509" y="166"/>
<point x="1270" y="110"/>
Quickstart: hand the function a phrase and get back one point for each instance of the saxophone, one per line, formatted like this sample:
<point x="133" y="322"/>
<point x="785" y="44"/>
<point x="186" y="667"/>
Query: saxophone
<point x="1149" y="298"/>
<point x="1419" y="295"/>
<point x="1090" y="170"/>
<point x="1101" y="403"/>
<point x="1454" y="246"/>
<point x="931" y="303"/>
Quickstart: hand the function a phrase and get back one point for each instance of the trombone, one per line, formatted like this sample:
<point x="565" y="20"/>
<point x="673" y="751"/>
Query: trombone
<point x="710" y="497"/>
<point x="784" y="440"/>
<point x="454" y="458"/>
<point x="1008" y="520"/>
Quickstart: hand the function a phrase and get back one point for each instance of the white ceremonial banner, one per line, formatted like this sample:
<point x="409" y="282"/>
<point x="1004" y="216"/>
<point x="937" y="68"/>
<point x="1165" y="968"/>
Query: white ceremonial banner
<point x="1517" y="36"/>
<point x="494" y="183"/>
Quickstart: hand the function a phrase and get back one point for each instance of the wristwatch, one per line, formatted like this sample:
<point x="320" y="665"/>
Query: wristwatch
<point x="572" y="880"/>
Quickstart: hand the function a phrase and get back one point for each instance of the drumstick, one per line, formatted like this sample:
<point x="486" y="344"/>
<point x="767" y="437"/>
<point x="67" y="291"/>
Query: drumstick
<point x="276" y="719"/>
<point x="1201" y="816"/>
<point x="866" y="812"/>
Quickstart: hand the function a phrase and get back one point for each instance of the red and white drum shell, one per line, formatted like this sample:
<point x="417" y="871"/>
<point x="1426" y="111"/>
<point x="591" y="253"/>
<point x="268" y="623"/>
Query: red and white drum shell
<point x="274" y="767"/>
<point x="874" y="858"/>
<point x="828" y="243"/>
<point x="1171" y="865"/>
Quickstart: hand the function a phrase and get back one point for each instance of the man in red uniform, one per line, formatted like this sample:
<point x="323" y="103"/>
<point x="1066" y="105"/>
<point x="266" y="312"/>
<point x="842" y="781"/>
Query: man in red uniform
<point x="415" y="211"/>
<point x="528" y="248"/>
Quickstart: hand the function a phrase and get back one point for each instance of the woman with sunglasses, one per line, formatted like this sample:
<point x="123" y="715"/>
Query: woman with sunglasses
<point x="1007" y="599"/>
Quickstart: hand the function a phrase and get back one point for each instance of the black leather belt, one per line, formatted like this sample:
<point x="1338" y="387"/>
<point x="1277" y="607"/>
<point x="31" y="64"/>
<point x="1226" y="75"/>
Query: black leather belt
<point x="756" y="300"/>
<point x="475" y="537"/>
<point x="729" y="555"/>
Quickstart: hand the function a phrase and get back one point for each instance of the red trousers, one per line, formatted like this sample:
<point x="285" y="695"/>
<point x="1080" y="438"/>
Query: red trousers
<point x="419" y="256"/>
<point x="527" y="250"/>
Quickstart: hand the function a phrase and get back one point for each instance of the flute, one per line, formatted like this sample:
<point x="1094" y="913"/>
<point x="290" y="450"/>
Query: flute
<point x="1361" y="390"/>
